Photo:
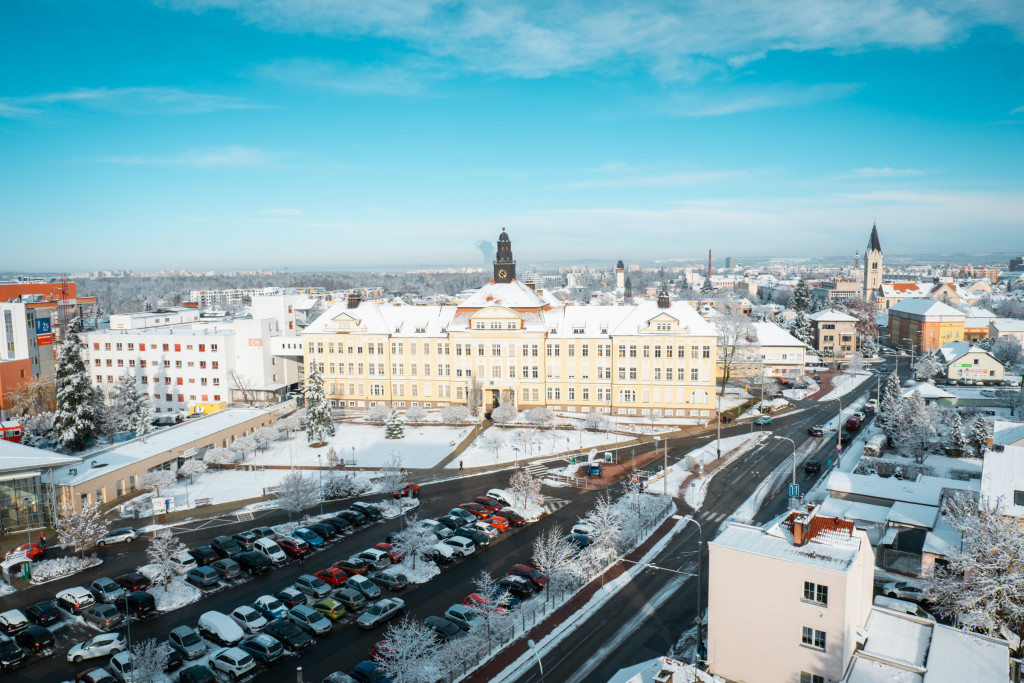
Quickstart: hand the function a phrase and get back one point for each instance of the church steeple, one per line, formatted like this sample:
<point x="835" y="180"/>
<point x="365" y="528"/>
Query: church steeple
<point x="872" y="265"/>
<point x="504" y="264"/>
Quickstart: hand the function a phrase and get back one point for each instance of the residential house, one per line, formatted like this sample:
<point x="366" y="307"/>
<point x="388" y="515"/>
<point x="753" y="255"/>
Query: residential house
<point x="889" y="293"/>
<point x="783" y="354"/>
<point x="965" y="361"/>
<point x="834" y="333"/>
<point x="1006" y="327"/>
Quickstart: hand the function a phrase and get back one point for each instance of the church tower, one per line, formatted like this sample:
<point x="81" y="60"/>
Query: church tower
<point x="620" y="274"/>
<point x="872" y="266"/>
<point x="504" y="264"/>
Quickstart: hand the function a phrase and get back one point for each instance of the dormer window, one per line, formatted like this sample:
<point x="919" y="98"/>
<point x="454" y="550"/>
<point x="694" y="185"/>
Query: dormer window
<point x="578" y="330"/>
<point x="421" y="330"/>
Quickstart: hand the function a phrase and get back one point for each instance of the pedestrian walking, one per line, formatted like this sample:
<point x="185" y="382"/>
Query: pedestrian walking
<point x="461" y="468"/>
<point x="42" y="538"/>
<point x="302" y="558"/>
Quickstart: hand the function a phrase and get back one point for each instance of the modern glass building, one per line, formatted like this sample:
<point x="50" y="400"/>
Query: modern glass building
<point x="26" y="494"/>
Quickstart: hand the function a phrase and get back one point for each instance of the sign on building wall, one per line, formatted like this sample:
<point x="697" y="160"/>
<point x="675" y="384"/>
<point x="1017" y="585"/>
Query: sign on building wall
<point x="44" y="335"/>
<point x="255" y="342"/>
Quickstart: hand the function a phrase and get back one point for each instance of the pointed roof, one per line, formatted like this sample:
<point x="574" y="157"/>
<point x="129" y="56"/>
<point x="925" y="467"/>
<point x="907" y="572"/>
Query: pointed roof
<point x="873" y="244"/>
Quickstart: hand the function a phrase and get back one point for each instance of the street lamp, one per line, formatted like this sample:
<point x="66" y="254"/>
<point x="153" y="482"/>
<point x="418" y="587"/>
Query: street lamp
<point x="839" y="432"/>
<point x="321" y="469"/>
<point x="700" y="581"/>
<point x="533" y="648"/>
<point x="786" y="438"/>
<point x="28" y="524"/>
<point x="516" y="449"/>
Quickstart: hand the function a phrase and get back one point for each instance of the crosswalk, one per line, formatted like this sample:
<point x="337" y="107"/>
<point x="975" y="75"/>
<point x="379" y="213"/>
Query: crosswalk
<point x="537" y="470"/>
<point x="552" y="504"/>
<point x="713" y="516"/>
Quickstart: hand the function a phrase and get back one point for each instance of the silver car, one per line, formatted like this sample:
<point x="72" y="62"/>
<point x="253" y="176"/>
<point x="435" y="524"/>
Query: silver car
<point x="106" y="590"/>
<point x="103" y="616"/>
<point x="125" y="534"/>
<point x="185" y="640"/>
<point x="227" y="568"/>
<point x="309" y="620"/>
<point x="98" y="646"/>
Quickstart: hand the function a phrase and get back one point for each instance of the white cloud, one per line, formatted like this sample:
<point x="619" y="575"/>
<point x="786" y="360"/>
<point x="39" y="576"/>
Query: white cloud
<point x="1018" y="110"/>
<point x="742" y="100"/>
<point x="155" y="99"/>
<point x="200" y="157"/>
<point x="380" y="79"/>
<point x="885" y="172"/>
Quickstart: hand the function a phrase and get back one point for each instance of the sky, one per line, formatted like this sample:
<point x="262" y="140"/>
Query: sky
<point x="343" y="134"/>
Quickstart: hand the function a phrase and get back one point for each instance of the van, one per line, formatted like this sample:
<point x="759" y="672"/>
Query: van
<point x="462" y="545"/>
<point x="220" y="628"/>
<point x="270" y="550"/>
<point x="502" y="496"/>
<point x="904" y="606"/>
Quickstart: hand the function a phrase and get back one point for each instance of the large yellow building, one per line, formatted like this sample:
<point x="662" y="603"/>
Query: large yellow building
<point x="519" y="346"/>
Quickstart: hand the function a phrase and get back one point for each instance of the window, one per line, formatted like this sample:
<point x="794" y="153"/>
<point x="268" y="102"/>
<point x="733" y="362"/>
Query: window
<point x="812" y="637"/>
<point x="694" y="375"/>
<point x="811" y="678"/>
<point x="627" y="396"/>
<point x="1018" y="497"/>
<point x="706" y="351"/>
<point x="815" y="593"/>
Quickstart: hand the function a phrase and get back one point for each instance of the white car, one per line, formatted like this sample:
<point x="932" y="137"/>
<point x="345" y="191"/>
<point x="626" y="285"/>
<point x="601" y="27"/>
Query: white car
<point x="98" y="646"/>
<point x="486" y="528"/>
<point x="75" y="599"/>
<point x="234" y="661"/>
<point x="249" y="619"/>
<point x="906" y="591"/>
<point x="184" y="562"/>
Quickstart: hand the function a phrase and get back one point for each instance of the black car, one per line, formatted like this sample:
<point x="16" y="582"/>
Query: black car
<point x="816" y="430"/>
<point x="174" y="660"/>
<point x="340" y="524"/>
<point x="225" y="546"/>
<point x="451" y="521"/>
<point x="516" y="587"/>
<point x="252" y="562"/>
<point x="10" y="654"/>
<point x="355" y="517"/>
<point x="137" y="604"/>
<point x="444" y="628"/>
<point x="812" y="467"/>
<point x="35" y="638"/>
<point x="326" y="531"/>
<point x="43" y="613"/>
<point x="366" y="509"/>
<point x="290" y="635"/>
<point x="479" y="538"/>
<point x="197" y="674"/>
<point x="204" y="555"/>
<point x="245" y="539"/>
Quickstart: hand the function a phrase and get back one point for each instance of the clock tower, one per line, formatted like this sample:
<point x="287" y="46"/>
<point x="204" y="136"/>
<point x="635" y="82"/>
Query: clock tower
<point x="504" y="264"/>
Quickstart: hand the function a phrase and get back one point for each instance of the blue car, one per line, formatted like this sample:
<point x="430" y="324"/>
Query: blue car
<point x="309" y="536"/>
<point x="368" y="672"/>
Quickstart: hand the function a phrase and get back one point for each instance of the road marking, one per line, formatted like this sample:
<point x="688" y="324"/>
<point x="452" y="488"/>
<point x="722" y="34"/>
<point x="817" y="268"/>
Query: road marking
<point x="537" y="470"/>
<point x="552" y="504"/>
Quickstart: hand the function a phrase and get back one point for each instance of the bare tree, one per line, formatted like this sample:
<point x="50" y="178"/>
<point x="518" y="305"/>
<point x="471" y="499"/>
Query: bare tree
<point x="856" y="363"/>
<point x="31" y="397"/>
<point x="491" y="604"/>
<point x="292" y="423"/>
<point x="242" y="385"/>
<point x="606" y="519"/>
<point x="162" y="553"/>
<point x="414" y="540"/>
<point x="219" y="456"/>
<point x="556" y="557"/>
<point x="265" y="435"/>
<point x="504" y="414"/>
<point x="154" y="481"/>
<point x="243" y="445"/>
<point x="147" y="660"/>
<point x="737" y="344"/>
<point x="410" y="656"/>
<point x="596" y="421"/>
<point x="540" y="417"/>
<point x="493" y="440"/>
<point x="392" y="476"/>
<point x="80" y="530"/>
<point x="378" y="413"/>
<point x="523" y="488"/>
<point x="474" y="397"/>
<point x="455" y="414"/>
<point x="415" y="414"/>
<point x="297" y="492"/>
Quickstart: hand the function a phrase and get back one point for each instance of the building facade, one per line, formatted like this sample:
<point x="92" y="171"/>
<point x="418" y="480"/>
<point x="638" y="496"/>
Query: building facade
<point x="834" y="333"/>
<point x="924" y="324"/>
<point x="515" y="345"/>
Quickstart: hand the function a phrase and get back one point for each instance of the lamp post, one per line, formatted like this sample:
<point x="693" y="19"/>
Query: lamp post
<point x="320" y="467"/>
<point x="839" y="432"/>
<point x="516" y="449"/>
<point x="353" y="456"/>
<point x="28" y="524"/>
<point x="786" y="438"/>
<point x="718" y="406"/>
<point x="700" y="581"/>
<point x="533" y="648"/>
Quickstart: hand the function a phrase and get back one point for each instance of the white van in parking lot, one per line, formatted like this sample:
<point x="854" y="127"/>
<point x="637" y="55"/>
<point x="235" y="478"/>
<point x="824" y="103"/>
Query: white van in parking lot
<point x="270" y="550"/>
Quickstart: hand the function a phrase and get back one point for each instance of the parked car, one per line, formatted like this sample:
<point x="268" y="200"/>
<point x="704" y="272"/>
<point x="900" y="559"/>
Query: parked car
<point x="462" y="545"/>
<point x="245" y="539"/>
<point x="196" y="674"/>
<point x="234" y="661"/>
<point x="225" y="546"/>
<point x="394" y="553"/>
<point x="124" y="534"/>
<point x="249" y="618"/>
<point x="106" y="589"/>
<point x="134" y="581"/>
<point x="391" y="580"/>
<point x="355" y="517"/>
<point x="491" y="504"/>
<point x="478" y="600"/>
<point x="31" y="550"/>
<point x="75" y="599"/>
<point x="379" y="612"/>
<point x="341" y="525"/>
<point x="479" y="538"/>
<point x="97" y="674"/>
<point x="12" y="621"/>
<point x="466" y="515"/>
<point x="516" y="586"/>
<point x="103" y="616"/>
<point x="185" y="640"/>
<point x="42" y="613"/>
<point x="264" y="648"/>
<point x="377" y="559"/>
<point x="499" y="523"/>
<point x="816" y="430"/>
<point x="439" y="530"/>
<point x="309" y="536"/>
<point x="270" y="607"/>
<point x="203" y="577"/>
<point x="513" y="517"/>
<point x="410" y="489"/>
<point x="369" y="672"/>
<point x="485" y="528"/>
<point x="370" y="511"/>
<point x="290" y="597"/>
<point x="904" y="590"/>
<point x="270" y="550"/>
<point x="332" y="576"/>
<point x="451" y="521"/>
<point x="329" y="607"/>
<point x="324" y="531"/>
<point x="440" y="553"/>
<point x="293" y="547"/>
<point x="531" y="574"/>
<point x="462" y="616"/>
<point x="252" y="562"/>
<point x="444" y="628"/>
<point x="352" y="565"/>
<point x="220" y="628"/>
<point x="11" y="655"/>
<point x="812" y="467"/>
<point x="204" y="555"/>
<point x="578" y="540"/>
<point x="312" y="586"/>
<point x="102" y="645"/>
<point x="501" y="495"/>
<point x="288" y="634"/>
<point x="350" y="597"/>
<point x="365" y="586"/>
<point x="227" y="568"/>
<point x="476" y="509"/>
<point x="35" y="638"/>
<point x="184" y="562"/>
<point x="264" y="532"/>
<point x="309" y="620"/>
<point x="136" y="604"/>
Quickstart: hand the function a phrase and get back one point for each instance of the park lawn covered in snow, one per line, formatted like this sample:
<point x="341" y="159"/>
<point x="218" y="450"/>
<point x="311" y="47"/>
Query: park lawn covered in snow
<point x="178" y="594"/>
<point x="548" y="442"/>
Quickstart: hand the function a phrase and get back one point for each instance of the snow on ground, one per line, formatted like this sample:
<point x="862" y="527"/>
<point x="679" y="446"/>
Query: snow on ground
<point x="45" y="571"/>
<point x="548" y="442"/>
<point x="392" y="511"/>
<point x="423" y="572"/>
<point x="844" y="384"/>
<point x="178" y="594"/>
<point x="732" y="448"/>
<point x="224" y="486"/>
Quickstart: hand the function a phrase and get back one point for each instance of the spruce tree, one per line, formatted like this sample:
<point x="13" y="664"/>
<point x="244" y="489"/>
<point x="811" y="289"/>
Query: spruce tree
<point x="801" y="328"/>
<point x="957" y="439"/>
<point x="801" y="297"/>
<point x="891" y="416"/>
<point x="868" y="348"/>
<point x="707" y="288"/>
<point x="319" y="421"/>
<point x="73" y="420"/>
<point x="394" y="428"/>
<point x="978" y="439"/>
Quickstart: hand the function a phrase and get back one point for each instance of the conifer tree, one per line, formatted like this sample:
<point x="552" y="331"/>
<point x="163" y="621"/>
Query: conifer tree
<point x="978" y="439"/>
<point x="957" y="438"/>
<point x="73" y="420"/>
<point x="801" y="328"/>
<point x="890" y="412"/>
<point x="131" y="408"/>
<point x="801" y="297"/>
<point x="707" y="288"/>
<point x="868" y="348"/>
<point x="319" y="421"/>
<point x="394" y="428"/>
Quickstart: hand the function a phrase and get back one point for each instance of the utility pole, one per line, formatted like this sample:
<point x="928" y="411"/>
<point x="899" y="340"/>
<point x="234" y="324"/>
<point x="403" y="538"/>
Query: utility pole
<point x="718" y="400"/>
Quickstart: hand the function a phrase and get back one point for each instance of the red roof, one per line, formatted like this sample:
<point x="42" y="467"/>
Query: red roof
<point x="819" y="525"/>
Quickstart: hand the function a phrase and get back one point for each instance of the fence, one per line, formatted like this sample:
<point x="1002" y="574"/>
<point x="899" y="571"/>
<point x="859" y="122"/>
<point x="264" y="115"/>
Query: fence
<point x="901" y="561"/>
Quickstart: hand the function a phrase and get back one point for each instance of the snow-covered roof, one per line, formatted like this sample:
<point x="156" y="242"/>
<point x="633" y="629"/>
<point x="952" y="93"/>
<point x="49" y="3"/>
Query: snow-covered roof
<point x="18" y="458"/>
<point x="925" y="491"/>
<point x="830" y="550"/>
<point x="831" y="315"/>
<point x="953" y="351"/>
<point x="927" y="307"/>
<point x="1001" y="475"/>
<point x="891" y="290"/>
<point x="162" y="441"/>
<point x="1007" y="325"/>
<point x="1007" y="432"/>
<point x="383" y="319"/>
<point x="514" y="294"/>
<point x="854" y="511"/>
<point x="897" y="639"/>
<point x="770" y="334"/>
<point x="957" y="656"/>
<point x="882" y="319"/>
<point x="910" y="514"/>
<point x="622" y="320"/>
<point x="977" y="322"/>
<point x="645" y="672"/>
<point x="927" y="390"/>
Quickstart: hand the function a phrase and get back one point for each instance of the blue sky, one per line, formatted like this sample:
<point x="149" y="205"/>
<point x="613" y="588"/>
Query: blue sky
<point x="341" y="134"/>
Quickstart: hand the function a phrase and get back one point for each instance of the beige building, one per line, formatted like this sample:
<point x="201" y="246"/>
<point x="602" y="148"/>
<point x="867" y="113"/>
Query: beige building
<point x="834" y="333"/>
<point x="109" y="475"/>
<point x="785" y="603"/>
<point x="519" y="346"/>
<point x="964" y="361"/>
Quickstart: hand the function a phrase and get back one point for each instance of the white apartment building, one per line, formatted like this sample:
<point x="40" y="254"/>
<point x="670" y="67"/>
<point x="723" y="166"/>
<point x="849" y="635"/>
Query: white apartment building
<point x="292" y="311"/>
<point x="161" y="318"/>
<point x="785" y="603"/>
<point x="783" y="354"/>
<point x="207" y="298"/>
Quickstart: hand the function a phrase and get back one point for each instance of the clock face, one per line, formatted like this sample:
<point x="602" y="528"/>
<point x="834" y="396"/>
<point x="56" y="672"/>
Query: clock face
<point x="502" y="273"/>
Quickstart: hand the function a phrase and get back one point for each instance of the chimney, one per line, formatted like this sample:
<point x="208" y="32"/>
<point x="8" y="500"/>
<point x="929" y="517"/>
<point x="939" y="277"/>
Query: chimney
<point x="663" y="301"/>
<point x="664" y="676"/>
<point x="532" y="286"/>
<point x="800" y="531"/>
<point x="354" y="299"/>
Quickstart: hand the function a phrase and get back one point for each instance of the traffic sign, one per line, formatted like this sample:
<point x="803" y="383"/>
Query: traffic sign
<point x="839" y="450"/>
<point x="794" y="490"/>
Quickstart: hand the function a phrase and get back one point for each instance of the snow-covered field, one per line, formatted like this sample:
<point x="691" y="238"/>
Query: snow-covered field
<point x="844" y="384"/>
<point x="544" y="442"/>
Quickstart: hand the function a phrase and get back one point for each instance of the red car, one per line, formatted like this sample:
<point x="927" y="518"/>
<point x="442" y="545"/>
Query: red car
<point x="410" y="489"/>
<point x="293" y="547"/>
<point x="394" y="553"/>
<point x="476" y="509"/>
<point x="352" y="565"/>
<point x="477" y="600"/>
<point x="513" y="517"/>
<point x="332" y="576"/>
<point x="31" y="550"/>
<point x="531" y="574"/>
<point x="379" y="648"/>
<point x="499" y="523"/>
<point x="489" y="503"/>
<point x="853" y="422"/>
<point x="133" y="581"/>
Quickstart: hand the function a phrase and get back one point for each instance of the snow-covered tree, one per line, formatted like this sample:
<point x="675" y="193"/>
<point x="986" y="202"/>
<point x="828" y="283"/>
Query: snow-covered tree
<point x="556" y="557"/>
<point x="606" y="519"/>
<point x="978" y="439"/>
<point x="319" y="420"/>
<point x="706" y="288"/>
<point x="80" y="530"/>
<point x="596" y="421"/>
<point x="162" y="552"/>
<point x="864" y="312"/>
<point x="266" y="435"/>
<point x="801" y="328"/>
<point x="219" y="456"/>
<point x="492" y="607"/>
<point x="504" y="414"/>
<point x="801" y="301"/>
<point x="143" y="422"/>
<point x="332" y="458"/>
<point x="541" y="417"/>
<point x="1007" y="350"/>
<point x="868" y="348"/>
<point x="148" y="660"/>
<point x="493" y="439"/>
<point x="343" y="485"/>
<point x="455" y="414"/>
<point x="737" y="344"/>
<point x="415" y="414"/>
<point x="1013" y="398"/>
<point x="918" y="427"/>
<point x="474" y="397"/>
<point x="410" y="656"/>
<point x="394" y="428"/>
<point x="957" y="438"/>
<point x="292" y="423"/>
<point x="378" y="413"/>
<point x="392" y="475"/>
<point x="414" y="540"/>
<point x="156" y="480"/>
<point x="127" y="402"/>
<point x="523" y="488"/>
<point x="927" y="366"/>
<point x="856" y="363"/>
<point x="891" y="417"/>
<point x="297" y="492"/>
<point x="37" y="429"/>
<point x="983" y="582"/>
<point x="192" y="468"/>
<point x="73" y="420"/>
<point x="243" y="445"/>
<point x="104" y="416"/>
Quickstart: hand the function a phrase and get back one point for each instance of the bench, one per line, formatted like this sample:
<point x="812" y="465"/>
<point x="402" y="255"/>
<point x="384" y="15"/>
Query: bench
<point x="202" y="502"/>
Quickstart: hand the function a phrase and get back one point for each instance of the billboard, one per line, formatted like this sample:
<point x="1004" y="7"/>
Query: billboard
<point x="44" y="333"/>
